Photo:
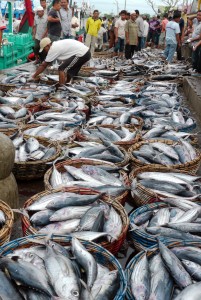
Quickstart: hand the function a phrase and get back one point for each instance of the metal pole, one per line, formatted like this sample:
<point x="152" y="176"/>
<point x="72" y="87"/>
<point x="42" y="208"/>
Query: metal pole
<point x="10" y="17"/>
<point x="125" y="5"/>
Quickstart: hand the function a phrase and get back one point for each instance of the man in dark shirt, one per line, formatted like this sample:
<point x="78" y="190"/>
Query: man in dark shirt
<point x="181" y="37"/>
<point x="54" y="21"/>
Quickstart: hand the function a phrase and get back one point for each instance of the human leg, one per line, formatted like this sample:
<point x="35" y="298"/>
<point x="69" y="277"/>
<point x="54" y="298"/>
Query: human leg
<point x="166" y="51"/>
<point x="127" y="51"/>
<point x="195" y="58"/>
<point x="172" y="49"/>
<point x="121" y="47"/>
<point x="53" y="38"/>
<point x="88" y="40"/>
<point x="139" y="43"/>
<point x="93" y="43"/>
<point x="117" y="47"/>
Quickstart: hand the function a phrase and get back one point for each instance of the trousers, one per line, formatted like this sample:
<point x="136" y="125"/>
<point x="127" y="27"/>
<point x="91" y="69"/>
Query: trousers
<point x="169" y="51"/>
<point x="90" y="42"/>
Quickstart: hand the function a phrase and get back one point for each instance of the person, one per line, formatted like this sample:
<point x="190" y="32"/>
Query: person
<point x="131" y="31"/>
<point x="128" y="15"/>
<point x="184" y="16"/>
<point x="2" y="27"/>
<point x="100" y="37"/>
<point x="157" y="32"/>
<point x="112" y="35"/>
<point x="54" y="21"/>
<point x="172" y="37"/>
<point x="163" y="29"/>
<point x="66" y="18"/>
<point x="145" y="32"/>
<point x="119" y="32"/>
<point x="72" y="53"/>
<point x="93" y="25"/>
<point x="39" y="29"/>
<point x="44" y="6"/>
<point x="189" y="28"/>
<point x="181" y="37"/>
<point x="140" y="24"/>
<point x="153" y="26"/>
<point x="196" y="36"/>
<point x="74" y="27"/>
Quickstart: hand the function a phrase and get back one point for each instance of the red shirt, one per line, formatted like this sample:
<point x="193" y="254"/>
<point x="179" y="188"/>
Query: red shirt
<point x="163" y="24"/>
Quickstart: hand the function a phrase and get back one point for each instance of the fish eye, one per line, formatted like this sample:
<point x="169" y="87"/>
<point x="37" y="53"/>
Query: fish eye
<point x="75" y="293"/>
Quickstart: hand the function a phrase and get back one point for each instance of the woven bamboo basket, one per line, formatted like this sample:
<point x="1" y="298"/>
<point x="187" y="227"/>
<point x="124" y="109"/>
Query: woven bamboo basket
<point x="125" y="145"/>
<point x="102" y="55"/>
<point x="29" y="170"/>
<point x="191" y="167"/>
<point x="29" y="126"/>
<point x="9" y="131"/>
<point x="5" y="231"/>
<point x="77" y="163"/>
<point x="150" y="253"/>
<point x="6" y="87"/>
<point x="101" y="255"/>
<point x="140" y="238"/>
<point x="114" y="246"/>
<point x="144" y="195"/>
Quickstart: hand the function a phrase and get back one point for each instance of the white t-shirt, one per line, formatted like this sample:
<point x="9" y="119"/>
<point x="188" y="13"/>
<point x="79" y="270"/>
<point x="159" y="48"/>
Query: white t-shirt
<point x="146" y="28"/>
<point x="101" y="31"/>
<point x="172" y="28"/>
<point x="74" y="30"/>
<point x="120" y="24"/>
<point x="65" y="49"/>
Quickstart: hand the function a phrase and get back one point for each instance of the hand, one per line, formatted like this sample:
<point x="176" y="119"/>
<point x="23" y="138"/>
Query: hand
<point x="127" y="41"/>
<point x="189" y="41"/>
<point x="116" y="40"/>
<point x="194" y="47"/>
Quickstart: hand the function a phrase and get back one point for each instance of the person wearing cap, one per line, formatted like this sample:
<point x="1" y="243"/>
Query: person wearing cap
<point x="2" y="27"/>
<point x="131" y="31"/>
<point x="71" y="53"/>
<point x="54" y="21"/>
<point x="39" y="29"/>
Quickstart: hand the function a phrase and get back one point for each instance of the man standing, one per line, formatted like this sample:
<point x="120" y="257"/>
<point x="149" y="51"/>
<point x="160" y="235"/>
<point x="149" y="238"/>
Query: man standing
<point x="181" y="37"/>
<point x="74" y="27"/>
<point x="131" y="31"/>
<point x="71" y="53"/>
<point x="140" y="24"/>
<point x="44" y="6"/>
<point x="39" y="29"/>
<point x="145" y="32"/>
<point x="93" y="25"/>
<point x="66" y="18"/>
<point x="54" y="21"/>
<point x="163" y="29"/>
<point x="153" y="26"/>
<point x="112" y="36"/>
<point x="2" y="27"/>
<point x="172" y="37"/>
<point x="196" y="36"/>
<point x="119" y="31"/>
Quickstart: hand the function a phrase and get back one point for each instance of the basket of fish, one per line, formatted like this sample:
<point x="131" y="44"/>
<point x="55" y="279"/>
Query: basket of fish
<point x="164" y="133"/>
<point x="171" y="221"/>
<point x="119" y="135"/>
<point x="32" y="156"/>
<point x="50" y="133"/>
<point x="101" y="176"/>
<point x="14" y="114"/>
<point x="60" y="268"/>
<point x="116" y="119"/>
<point x="31" y="91"/>
<point x="150" y="184"/>
<point x="65" y="117"/>
<point x="179" y="155"/>
<point x="83" y="213"/>
<point x="168" y="272"/>
<point x="6" y="222"/>
<point x="105" y="152"/>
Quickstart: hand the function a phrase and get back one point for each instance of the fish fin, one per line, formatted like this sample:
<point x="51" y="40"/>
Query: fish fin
<point x="21" y="211"/>
<point x="134" y="227"/>
<point x="88" y="290"/>
<point x="126" y="167"/>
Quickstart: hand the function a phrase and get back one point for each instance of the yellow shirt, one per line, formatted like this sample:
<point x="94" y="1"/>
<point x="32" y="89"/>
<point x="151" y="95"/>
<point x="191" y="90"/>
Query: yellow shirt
<point x="93" y="26"/>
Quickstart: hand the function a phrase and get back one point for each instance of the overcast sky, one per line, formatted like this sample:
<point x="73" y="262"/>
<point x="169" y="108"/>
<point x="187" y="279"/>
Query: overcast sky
<point x="108" y="6"/>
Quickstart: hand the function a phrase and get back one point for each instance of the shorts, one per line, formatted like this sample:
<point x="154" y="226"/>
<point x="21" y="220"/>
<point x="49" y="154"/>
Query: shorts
<point x="36" y="47"/>
<point x="119" y="46"/>
<point x="73" y="64"/>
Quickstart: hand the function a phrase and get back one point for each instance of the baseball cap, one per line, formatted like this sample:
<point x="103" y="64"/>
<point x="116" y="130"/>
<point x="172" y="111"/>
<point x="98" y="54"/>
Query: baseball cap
<point x="39" y="8"/>
<point x="43" y="43"/>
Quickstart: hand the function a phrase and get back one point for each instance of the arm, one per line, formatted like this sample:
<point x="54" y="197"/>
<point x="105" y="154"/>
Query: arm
<point x="34" y="31"/>
<point x="197" y="38"/>
<point x="87" y="25"/>
<point x="45" y="33"/>
<point x="127" y="33"/>
<point x="182" y="34"/>
<point x="41" y="68"/>
<point x="197" y="45"/>
<point x="99" y="26"/>
<point x="178" y="39"/>
<point x="53" y="20"/>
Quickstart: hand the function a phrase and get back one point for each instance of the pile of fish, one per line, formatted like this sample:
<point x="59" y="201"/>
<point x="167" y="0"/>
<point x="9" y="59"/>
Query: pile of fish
<point x="16" y="100"/>
<point x="2" y="219"/>
<point x="170" y="184"/>
<point x="113" y="119"/>
<point x="166" y="134"/>
<point x="105" y="152"/>
<point x="172" y="274"/>
<point x="16" y="79"/>
<point x="36" y="90"/>
<point x="180" y="221"/>
<point x="160" y="153"/>
<point x="67" y="117"/>
<point x="31" y="149"/>
<point x="52" y="271"/>
<point x="116" y="134"/>
<point x="67" y="102"/>
<point x="9" y="114"/>
<point x="51" y="132"/>
<point x="104" y="178"/>
<point x="83" y="216"/>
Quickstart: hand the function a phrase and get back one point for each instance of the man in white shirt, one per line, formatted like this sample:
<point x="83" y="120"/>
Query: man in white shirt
<point x="140" y="24"/>
<point x="145" y="33"/>
<point x="74" y="27"/>
<point x="66" y="18"/>
<point x="172" y="37"/>
<point x="119" y="31"/>
<point x="39" y="29"/>
<point x="101" y="32"/>
<point x="71" y="53"/>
